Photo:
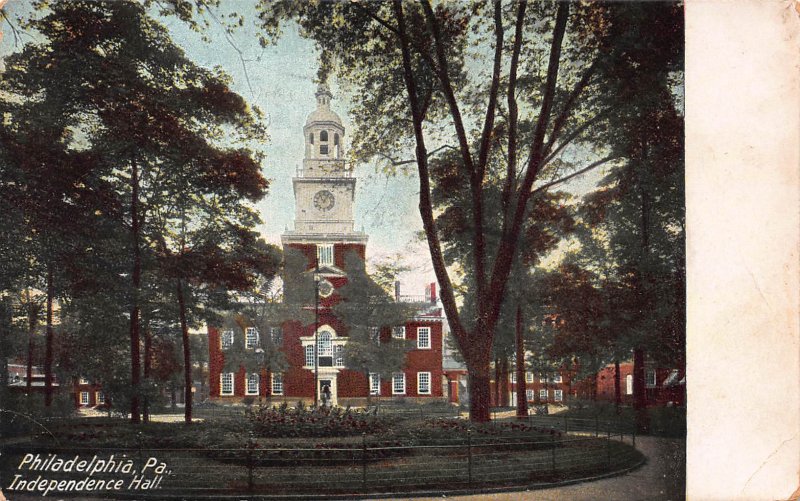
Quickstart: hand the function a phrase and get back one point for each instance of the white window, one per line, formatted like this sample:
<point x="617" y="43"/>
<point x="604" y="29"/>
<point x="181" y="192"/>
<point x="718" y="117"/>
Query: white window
<point x="542" y="394"/>
<point x="226" y="383"/>
<point x="84" y="398"/>
<point x="99" y="397"/>
<point x="325" y="345"/>
<point x="651" y="378"/>
<point x="399" y="383"/>
<point x="557" y="378"/>
<point x="83" y="380"/>
<point x="529" y="377"/>
<point x="338" y="360"/>
<point x="558" y="395"/>
<point x="529" y="395"/>
<point x="629" y="384"/>
<point x="325" y="254"/>
<point x="399" y="332"/>
<point x="226" y="340"/>
<point x="374" y="384"/>
<point x="252" y="384"/>
<point x="277" y="384"/>
<point x="276" y="333"/>
<point x="251" y="338"/>
<point x="309" y="355"/>
<point x="543" y="379"/>
<point x="375" y="335"/>
<point x="424" y="383"/>
<point x="424" y="338"/>
<point x="513" y="376"/>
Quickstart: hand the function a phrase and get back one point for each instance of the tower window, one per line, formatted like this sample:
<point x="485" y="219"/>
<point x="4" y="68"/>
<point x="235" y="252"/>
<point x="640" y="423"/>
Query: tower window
<point x="323" y="149"/>
<point x="323" y="136"/>
<point x="336" y="139"/>
<point x="311" y="138"/>
<point x="325" y="254"/>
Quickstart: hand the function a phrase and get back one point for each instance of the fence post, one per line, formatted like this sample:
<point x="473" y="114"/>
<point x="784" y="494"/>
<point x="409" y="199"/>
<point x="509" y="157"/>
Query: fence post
<point x="364" y="461"/>
<point x="608" y="447"/>
<point x="250" y="445"/>
<point x="469" y="456"/>
<point x="553" y="454"/>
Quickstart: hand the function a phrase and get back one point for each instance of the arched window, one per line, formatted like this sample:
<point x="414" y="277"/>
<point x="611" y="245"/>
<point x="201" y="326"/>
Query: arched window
<point x="325" y="345"/>
<point x="323" y="136"/>
<point x="311" y="138"/>
<point x="336" y="139"/>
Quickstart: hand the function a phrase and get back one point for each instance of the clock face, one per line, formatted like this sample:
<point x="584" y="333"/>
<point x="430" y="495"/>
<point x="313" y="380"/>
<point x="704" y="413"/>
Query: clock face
<point x="324" y="200"/>
<point x="325" y="288"/>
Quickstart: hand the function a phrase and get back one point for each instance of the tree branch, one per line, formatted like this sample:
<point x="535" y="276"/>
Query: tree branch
<point x="425" y="204"/>
<point x="511" y="164"/>
<point x="575" y="133"/>
<point x="591" y="166"/>
<point x="559" y="122"/>
<point x="397" y="163"/>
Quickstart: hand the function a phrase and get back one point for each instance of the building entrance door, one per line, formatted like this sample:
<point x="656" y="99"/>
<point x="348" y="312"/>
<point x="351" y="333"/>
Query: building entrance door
<point x="327" y="392"/>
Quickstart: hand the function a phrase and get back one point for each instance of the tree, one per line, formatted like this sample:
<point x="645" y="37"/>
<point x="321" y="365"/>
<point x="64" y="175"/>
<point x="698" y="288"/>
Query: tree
<point x="159" y="127"/>
<point x="530" y="97"/>
<point x="369" y="313"/>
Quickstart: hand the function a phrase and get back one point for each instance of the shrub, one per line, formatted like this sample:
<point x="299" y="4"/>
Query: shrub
<point x="283" y="421"/>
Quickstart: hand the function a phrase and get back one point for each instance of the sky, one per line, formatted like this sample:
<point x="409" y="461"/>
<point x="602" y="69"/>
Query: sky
<point x="280" y="80"/>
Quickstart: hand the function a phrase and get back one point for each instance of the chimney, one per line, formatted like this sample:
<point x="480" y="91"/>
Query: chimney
<point x="397" y="290"/>
<point x="432" y="292"/>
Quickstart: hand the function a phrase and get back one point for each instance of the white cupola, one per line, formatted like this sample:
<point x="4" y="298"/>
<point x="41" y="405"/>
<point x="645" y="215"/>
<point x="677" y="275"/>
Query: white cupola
<point x="324" y="133"/>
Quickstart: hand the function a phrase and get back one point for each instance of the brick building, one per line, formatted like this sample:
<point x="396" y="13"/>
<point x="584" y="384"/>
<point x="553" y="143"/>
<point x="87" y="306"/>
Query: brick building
<point x="325" y="237"/>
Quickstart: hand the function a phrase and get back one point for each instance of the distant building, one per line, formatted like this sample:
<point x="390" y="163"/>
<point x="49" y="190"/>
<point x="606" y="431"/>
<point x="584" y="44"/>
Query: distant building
<point x="324" y="234"/>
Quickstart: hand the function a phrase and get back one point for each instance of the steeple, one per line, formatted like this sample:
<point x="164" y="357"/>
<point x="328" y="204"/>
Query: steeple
<point x="324" y="95"/>
<point x="324" y="137"/>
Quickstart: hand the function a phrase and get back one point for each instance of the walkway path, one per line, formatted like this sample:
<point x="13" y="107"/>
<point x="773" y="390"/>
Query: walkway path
<point x="662" y="478"/>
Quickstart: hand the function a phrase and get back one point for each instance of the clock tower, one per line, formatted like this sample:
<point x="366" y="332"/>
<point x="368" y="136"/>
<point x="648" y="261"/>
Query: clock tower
<point x="324" y="191"/>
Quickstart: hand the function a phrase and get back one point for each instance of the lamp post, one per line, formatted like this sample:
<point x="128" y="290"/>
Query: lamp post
<point x="316" y="333"/>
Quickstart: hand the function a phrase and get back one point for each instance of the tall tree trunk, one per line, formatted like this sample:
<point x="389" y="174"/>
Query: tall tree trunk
<point x="497" y="377"/>
<point x="639" y="392"/>
<point x="479" y="400"/>
<point x="148" y="364"/>
<point x="617" y="387"/>
<point x="187" y="356"/>
<point x="136" y="278"/>
<point x="48" y="351"/>
<point x="594" y="387"/>
<point x="522" y="399"/>
<point x="32" y="320"/>
<point x="504" y="390"/>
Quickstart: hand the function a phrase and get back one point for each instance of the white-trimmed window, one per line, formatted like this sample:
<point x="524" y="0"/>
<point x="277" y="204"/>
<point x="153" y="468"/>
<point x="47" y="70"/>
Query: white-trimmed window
<point x="424" y="338"/>
<point x="338" y="360"/>
<point x="399" y="332"/>
<point x="250" y="338"/>
<point x="557" y="378"/>
<point x="252" y="384"/>
<point x="542" y="394"/>
<point x="424" y="383"/>
<point x="543" y="378"/>
<point x="529" y="377"/>
<point x="325" y="345"/>
<point x="375" y="335"/>
<point x="529" y="395"/>
<point x="325" y="254"/>
<point x="226" y="383"/>
<point x="83" y="380"/>
<point x="513" y="376"/>
<point x="629" y="384"/>
<point x="650" y="378"/>
<point x="277" y="384"/>
<point x="84" y="398"/>
<point x="374" y="384"/>
<point x="558" y="395"/>
<point x="399" y="383"/>
<point x="276" y="333"/>
<point x="226" y="339"/>
<point x="99" y="397"/>
<point x="309" y="355"/>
